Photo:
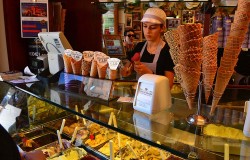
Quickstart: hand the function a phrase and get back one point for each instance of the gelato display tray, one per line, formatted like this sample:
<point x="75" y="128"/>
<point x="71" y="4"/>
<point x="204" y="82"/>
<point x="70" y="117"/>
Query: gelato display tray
<point x="38" y="141"/>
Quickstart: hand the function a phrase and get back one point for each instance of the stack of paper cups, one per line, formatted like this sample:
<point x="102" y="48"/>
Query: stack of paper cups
<point x="246" y="129"/>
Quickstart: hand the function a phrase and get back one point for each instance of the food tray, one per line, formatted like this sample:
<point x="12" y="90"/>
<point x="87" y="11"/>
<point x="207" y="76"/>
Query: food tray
<point x="100" y="139"/>
<point x="32" y="133"/>
<point x="69" y="152"/>
<point x="104" y="149"/>
<point x="154" y="153"/>
<point x="39" y="141"/>
<point x="53" y="148"/>
<point x="139" y="148"/>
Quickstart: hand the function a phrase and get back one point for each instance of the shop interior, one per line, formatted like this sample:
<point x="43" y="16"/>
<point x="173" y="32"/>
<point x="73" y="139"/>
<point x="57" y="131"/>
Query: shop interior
<point x="65" y="110"/>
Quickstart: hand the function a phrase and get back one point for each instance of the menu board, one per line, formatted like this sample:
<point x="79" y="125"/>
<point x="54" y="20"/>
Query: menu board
<point x="34" y="17"/>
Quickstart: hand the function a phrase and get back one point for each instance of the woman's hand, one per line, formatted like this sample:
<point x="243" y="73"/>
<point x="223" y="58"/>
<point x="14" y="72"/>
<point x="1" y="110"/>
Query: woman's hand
<point x="142" y="69"/>
<point x="126" y="70"/>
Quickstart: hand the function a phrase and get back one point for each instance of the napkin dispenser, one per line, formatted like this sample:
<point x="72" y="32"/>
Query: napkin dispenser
<point x="152" y="94"/>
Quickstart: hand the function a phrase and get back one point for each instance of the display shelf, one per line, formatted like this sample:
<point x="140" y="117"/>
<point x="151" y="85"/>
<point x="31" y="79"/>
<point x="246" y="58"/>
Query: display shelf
<point x="169" y="127"/>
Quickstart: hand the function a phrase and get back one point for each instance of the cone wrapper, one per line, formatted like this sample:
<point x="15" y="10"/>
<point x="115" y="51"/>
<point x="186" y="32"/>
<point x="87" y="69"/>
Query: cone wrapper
<point x="102" y="71"/>
<point x="93" y="70"/>
<point x="112" y="74"/>
<point x="67" y="63"/>
<point x="76" y="66"/>
<point x="86" y="66"/>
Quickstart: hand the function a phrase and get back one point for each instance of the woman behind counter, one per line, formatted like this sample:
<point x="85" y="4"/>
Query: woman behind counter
<point x="154" y="52"/>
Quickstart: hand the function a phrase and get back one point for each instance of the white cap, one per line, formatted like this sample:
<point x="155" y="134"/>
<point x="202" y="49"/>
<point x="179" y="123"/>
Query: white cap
<point x="154" y="15"/>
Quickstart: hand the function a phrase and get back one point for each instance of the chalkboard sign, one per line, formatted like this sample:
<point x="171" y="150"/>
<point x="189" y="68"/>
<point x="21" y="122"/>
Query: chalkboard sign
<point x="114" y="45"/>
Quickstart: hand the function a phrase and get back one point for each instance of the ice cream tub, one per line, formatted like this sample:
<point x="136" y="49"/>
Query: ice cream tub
<point x="73" y="153"/>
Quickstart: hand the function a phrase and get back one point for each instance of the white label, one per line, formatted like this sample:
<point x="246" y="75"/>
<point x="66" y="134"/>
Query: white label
<point x="145" y="95"/>
<point x="113" y="63"/>
<point x="76" y="55"/>
<point x="68" y="52"/>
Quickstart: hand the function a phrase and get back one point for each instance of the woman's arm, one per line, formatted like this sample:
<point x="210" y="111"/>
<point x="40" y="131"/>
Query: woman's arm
<point x="170" y="76"/>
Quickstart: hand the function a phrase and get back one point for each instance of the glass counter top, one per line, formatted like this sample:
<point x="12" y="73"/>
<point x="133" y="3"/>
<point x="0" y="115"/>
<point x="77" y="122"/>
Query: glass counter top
<point x="168" y="127"/>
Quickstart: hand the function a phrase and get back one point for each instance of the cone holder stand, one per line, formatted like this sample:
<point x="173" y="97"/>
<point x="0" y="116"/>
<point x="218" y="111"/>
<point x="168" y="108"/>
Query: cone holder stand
<point x="198" y="119"/>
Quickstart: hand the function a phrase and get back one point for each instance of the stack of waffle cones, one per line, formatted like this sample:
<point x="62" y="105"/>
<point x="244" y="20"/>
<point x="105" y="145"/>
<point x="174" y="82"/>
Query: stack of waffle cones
<point x="173" y="39"/>
<point x="231" y="50"/>
<point x="209" y="62"/>
<point x="189" y="59"/>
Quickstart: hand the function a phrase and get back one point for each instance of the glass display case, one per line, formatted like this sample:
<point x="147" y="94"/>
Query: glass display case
<point x="47" y="104"/>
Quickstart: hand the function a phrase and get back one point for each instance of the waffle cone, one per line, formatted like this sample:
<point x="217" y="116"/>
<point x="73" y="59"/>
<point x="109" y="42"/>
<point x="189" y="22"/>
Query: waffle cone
<point x="191" y="44"/>
<point x="231" y="52"/>
<point x="189" y="83"/>
<point x="178" y="75"/>
<point x="189" y="28"/>
<point x="191" y="58"/>
<point x="213" y="45"/>
<point x="209" y="60"/>
<point x="190" y="102"/>
<point x="67" y="64"/>
<point x="243" y="5"/>
<point x="102" y="71"/>
<point x="191" y="62"/>
<point x="174" y="55"/>
<point x="234" y="42"/>
<point x="172" y="37"/>
<point x="207" y="94"/>
<point x="208" y="80"/>
<point x="214" y="105"/>
<point x="76" y="66"/>
<point x="238" y="30"/>
<point x="221" y="83"/>
<point x="86" y="66"/>
<point x="228" y="64"/>
<point x="210" y="45"/>
<point x="220" y="86"/>
<point x="93" y="70"/>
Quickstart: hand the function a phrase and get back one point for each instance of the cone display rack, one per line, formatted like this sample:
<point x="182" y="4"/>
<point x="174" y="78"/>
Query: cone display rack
<point x="197" y="118"/>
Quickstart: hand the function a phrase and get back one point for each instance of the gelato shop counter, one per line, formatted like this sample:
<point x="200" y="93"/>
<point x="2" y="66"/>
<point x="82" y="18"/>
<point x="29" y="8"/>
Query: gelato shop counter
<point x="108" y="126"/>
